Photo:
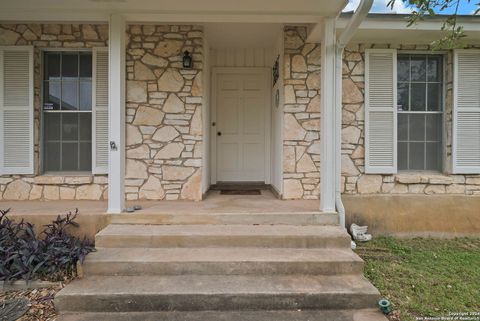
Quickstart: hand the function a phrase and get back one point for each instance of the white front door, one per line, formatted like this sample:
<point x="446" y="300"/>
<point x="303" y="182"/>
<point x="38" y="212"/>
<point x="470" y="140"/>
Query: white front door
<point x="241" y="114"/>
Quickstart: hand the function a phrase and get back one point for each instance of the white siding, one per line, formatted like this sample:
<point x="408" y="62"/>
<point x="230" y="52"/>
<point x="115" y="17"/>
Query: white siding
<point x="241" y="57"/>
<point x="277" y="120"/>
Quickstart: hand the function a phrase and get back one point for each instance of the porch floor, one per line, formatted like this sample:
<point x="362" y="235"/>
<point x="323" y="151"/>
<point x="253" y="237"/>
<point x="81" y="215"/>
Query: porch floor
<point x="214" y="203"/>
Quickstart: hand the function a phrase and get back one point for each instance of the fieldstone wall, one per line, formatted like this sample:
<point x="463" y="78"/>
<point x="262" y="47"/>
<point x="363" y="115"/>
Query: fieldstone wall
<point x="164" y="115"/>
<point x="301" y="132"/>
<point x="41" y="36"/>
<point x="354" y="179"/>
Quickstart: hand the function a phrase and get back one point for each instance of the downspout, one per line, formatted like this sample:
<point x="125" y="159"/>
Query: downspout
<point x="342" y="41"/>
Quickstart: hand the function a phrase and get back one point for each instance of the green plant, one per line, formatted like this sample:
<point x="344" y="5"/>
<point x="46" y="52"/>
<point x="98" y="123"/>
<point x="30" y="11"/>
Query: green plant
<point x="50" y="255"/>
<point x="452" y="31"/>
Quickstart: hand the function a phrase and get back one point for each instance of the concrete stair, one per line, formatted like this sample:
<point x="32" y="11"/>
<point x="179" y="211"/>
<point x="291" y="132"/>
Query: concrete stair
<point x="282" y="236"/>
<point x="279" y="315"/>
<point x="172" y="218"/>
<point x="221" y="261"/>
<point x="221" y="272"/>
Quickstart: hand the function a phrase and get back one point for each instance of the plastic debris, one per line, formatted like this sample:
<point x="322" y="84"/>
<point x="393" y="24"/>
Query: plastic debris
<point x="359" y="233"/>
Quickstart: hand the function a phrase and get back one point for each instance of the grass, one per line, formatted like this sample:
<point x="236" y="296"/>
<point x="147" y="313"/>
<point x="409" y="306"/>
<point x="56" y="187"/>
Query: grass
<point x="425" y="277"/>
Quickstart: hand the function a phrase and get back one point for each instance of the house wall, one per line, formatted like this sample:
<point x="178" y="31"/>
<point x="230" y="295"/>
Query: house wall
<point x="354" y="179"/>
<point x="165" y="125"/>
<point x="301" y="124"/>
<point x="164" y="113"/>
<point x="50" y="187"/>
<point x="241" y="57"/>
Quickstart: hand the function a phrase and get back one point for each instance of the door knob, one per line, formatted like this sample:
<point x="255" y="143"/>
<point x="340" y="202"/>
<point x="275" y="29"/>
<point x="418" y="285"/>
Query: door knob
<point x="219" y="134"/>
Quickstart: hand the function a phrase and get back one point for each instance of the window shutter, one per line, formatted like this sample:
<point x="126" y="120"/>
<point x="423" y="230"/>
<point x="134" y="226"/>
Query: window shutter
<point x="100" y="111"/>
<point x="466" y="112"/>
<point x="381" y="111"/>
<point x="16" y="110"/>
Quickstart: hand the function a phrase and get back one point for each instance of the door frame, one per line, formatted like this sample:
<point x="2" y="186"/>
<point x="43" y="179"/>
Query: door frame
<point x="264" y="71"/>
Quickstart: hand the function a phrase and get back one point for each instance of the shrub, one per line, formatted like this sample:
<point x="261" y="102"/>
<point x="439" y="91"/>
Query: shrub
<point x="52" y="255"/>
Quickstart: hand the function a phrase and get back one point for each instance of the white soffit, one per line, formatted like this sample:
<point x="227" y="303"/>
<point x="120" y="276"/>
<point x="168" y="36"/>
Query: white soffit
<point x="390" y="28"/>
<point x="300" y="11"/>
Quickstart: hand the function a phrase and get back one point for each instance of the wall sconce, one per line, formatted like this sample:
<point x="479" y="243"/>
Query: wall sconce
<point x="187" y="60"/>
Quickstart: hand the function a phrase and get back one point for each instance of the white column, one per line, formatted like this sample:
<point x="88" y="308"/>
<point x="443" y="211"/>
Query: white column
<point x="116" y="114"/>
<point x="327" y="188"/>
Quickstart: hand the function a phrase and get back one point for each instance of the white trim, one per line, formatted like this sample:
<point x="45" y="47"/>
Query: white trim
<point x="398" y="22"/>
<point x="61" y="49"/>
<point x="102" y="16"/>
<point x="213" y="118"/>
<point x="30" y="168"/>
<point x="381" y="169"/>
<point x="327" y="128"/>
<point x="455" y="109"/>
<point x="116" y="114"/>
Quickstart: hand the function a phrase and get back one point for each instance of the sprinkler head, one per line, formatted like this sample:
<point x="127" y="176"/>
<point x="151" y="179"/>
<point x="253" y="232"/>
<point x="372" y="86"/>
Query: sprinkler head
<point x="385" y="306"/>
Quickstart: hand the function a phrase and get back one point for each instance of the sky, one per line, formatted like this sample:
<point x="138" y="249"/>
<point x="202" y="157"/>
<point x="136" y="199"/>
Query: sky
<point x="380" y="6"/>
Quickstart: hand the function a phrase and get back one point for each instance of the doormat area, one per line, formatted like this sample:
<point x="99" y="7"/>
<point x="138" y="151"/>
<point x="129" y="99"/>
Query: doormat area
<point x="241" y="192"/>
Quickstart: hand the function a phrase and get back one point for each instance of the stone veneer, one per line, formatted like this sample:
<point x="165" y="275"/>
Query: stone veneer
<point x="164" y="113"/>
<point x="46" y="187"/>
<point x="301" y="132"/>
<point x="164" y="125"/>
<point x="354" y="179"/>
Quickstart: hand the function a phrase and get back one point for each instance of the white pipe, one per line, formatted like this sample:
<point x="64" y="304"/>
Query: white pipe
<point x="354" y="22"/>
<point x="342" y="41"/>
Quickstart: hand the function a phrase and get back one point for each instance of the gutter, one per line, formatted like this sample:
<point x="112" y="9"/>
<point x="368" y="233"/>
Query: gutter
<point x="342" y="41"/>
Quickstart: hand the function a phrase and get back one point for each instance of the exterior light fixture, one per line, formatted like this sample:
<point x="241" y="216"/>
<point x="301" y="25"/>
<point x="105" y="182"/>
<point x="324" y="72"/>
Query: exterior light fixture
<point x="187" y="60"/>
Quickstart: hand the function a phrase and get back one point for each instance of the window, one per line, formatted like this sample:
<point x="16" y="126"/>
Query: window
<point x="420" y="111"/>
<point x="67" y="111"/>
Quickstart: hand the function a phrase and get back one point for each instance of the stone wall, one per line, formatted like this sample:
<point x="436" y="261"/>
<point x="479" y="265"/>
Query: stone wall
<point x="301" y="132"/>
<point x="354" y="179"/>
<point x="41" y="36"/>
<point x="164" y="115"/>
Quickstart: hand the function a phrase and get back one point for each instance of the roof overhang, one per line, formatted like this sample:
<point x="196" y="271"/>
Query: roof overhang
<point x="392" y="28"/>
<point x="284" y="11"/>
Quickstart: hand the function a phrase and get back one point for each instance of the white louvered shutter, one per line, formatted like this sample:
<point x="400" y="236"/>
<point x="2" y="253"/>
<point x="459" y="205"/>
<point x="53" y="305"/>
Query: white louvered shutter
<point x="381" y="111"/>
<point x="16" y="110"/>
<point x="466" y="112"/>
<point x="100" y="111"/>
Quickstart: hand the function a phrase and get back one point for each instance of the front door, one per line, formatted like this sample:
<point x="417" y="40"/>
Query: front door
<point x="241" y="114"/>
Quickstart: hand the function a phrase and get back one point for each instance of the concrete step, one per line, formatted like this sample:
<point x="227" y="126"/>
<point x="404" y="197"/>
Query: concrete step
<point x="297" y="218"/>
<point x="226" y="261"/>
<point x="287" y="236"/>
<point x="216" y="292"/>
<point x="308" y="315"/>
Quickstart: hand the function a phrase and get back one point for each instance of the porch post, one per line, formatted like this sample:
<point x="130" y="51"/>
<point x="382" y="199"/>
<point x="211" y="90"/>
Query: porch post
<point x="116" y="114"/>
<point x="327" y="188"/>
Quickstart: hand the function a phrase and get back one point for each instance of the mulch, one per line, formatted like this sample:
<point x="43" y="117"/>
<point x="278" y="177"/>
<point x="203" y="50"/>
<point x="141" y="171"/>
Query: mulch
<point x="41" y="306"/>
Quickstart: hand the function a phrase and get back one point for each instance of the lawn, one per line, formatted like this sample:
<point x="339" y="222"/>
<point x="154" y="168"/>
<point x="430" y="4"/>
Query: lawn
<point x="425" y="277"/>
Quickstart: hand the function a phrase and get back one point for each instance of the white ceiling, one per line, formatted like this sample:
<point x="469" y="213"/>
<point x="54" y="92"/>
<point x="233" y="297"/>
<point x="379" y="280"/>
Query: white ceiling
<point x="242" y="35"/>
<point x="198" y="10"/>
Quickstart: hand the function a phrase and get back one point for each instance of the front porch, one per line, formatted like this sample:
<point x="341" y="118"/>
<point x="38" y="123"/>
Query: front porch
<point x="214" y="209"/>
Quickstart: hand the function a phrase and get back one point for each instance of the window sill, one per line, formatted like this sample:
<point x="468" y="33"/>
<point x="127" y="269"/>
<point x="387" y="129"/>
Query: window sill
<point x="420" y="172"/>
<point x="63" y="174"/>
<point x="426" y="177"/>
